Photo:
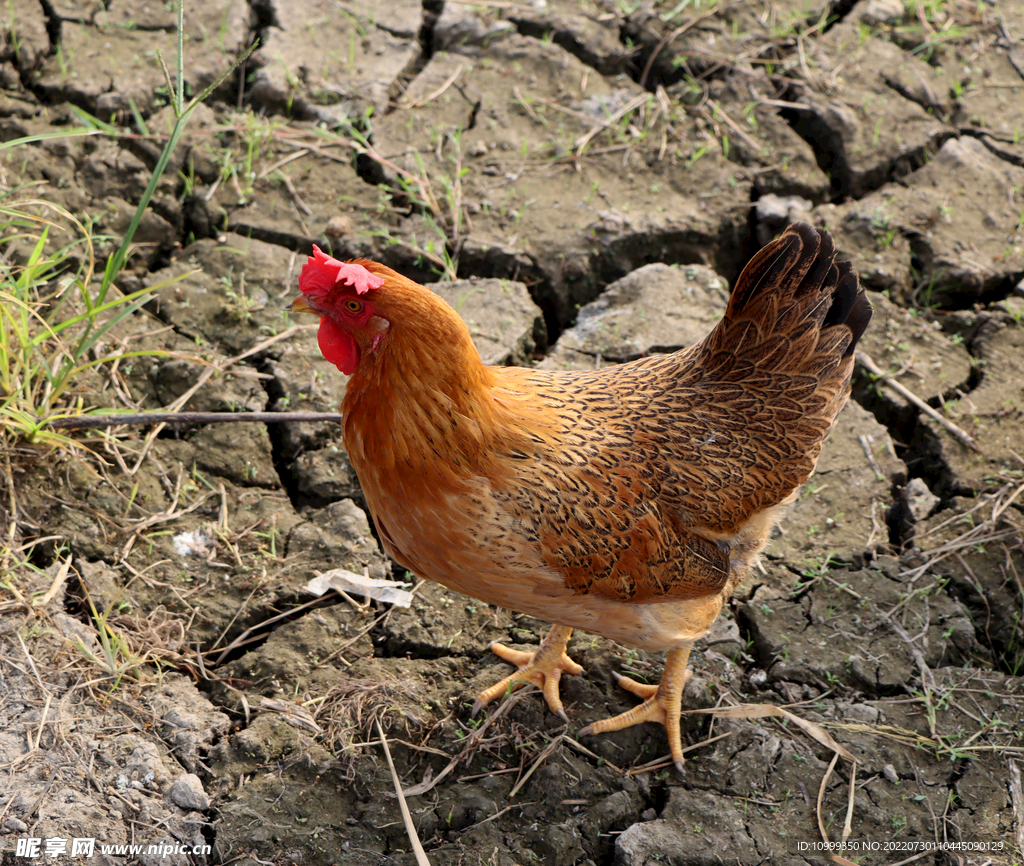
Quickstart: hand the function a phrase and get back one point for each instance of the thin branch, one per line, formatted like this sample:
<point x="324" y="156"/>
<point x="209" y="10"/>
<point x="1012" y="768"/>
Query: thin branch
<point x="97" y="421"/>
<point x="960" y="434"/>
<point x="410" y="827"/>
<point x="669" y="37"/>
<point x="1017" y="798"/>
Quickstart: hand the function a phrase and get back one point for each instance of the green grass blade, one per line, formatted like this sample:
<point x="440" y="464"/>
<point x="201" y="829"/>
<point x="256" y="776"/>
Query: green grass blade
<point x="48" y="136"/>
<point x="117" y="261"/>
<point x="93" y="122"/>
<point x="103" y="308"/>
<point x="180" y="98"/>
<point x="140" y="122"/>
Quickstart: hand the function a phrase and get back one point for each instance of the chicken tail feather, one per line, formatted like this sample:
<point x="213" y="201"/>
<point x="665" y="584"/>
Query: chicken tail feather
<point x="798" y="273"/>
<point x="850" y="306"/>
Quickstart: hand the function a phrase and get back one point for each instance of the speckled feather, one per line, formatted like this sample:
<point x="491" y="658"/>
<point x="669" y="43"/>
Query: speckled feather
<point x="628" y="501"/>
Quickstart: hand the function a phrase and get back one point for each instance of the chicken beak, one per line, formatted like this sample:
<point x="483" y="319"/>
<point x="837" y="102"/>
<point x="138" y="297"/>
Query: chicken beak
<point x="301" y="305"/>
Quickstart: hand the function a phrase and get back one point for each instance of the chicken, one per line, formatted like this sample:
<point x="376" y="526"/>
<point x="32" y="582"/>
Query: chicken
<point x="628" y="501"/>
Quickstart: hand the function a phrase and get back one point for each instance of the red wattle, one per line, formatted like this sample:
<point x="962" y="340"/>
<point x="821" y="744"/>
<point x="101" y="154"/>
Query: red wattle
<point x="337" y="346"/>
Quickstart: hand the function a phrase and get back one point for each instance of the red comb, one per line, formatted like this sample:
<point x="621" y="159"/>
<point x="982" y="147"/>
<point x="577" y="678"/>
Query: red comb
<point x="321" y="273"/>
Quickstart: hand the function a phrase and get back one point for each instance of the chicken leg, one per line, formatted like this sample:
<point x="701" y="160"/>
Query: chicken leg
<point x="662" y="704"/>
<point x="542" y="668"/>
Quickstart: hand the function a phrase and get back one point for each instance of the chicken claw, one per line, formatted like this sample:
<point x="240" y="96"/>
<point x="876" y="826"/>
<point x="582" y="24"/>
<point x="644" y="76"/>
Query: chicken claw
<point x="662" y="704"/>
<point x="542" y="668"/>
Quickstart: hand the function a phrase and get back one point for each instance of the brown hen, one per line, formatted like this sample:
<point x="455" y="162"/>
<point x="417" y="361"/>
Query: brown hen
<point x="628" y="501"/>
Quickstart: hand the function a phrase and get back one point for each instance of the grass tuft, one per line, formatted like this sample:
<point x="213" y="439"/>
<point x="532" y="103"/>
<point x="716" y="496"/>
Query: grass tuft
<point x="53" y="319"/>
<point x="55" y="309"/>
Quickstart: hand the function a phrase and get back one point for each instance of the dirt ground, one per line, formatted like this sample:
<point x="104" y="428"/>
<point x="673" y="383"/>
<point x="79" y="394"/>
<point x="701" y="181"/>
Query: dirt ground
<point x="582" y="181"/>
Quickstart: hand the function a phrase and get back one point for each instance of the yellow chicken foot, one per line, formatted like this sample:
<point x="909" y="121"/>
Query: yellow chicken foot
<point x="542" y="668"/>
<point x="662" y="704"/>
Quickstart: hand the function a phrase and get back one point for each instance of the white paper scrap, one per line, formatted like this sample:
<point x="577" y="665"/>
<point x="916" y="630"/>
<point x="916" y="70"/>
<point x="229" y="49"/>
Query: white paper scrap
<point x="390" y="591"/>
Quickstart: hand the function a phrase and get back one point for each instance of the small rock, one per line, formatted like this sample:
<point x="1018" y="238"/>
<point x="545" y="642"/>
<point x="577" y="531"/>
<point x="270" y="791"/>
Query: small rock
<point x="187" y="792"/>
<point x="461" y="29"/>
<point x="1013" y="305"/>
<point x="16" y="825"/>
<point x="191" y="721"/>
<point x="775" y="212"/>
<point x="882" y="11"/>
<point x="325" y="475"/>
<point x="889" y="771"/>
<point x="857" y="712"/>
<point x="338" y="536"/>
<point x="918" y="501"/>
<point x="723" y="631"/>
<point x="337" y="226"/>
<point x="616" y="810"/>
<point x="694" y="827"/>
<point x="74" y="630"/>
<point x="724" y="639"/>
<point x="559" y="845"/>
<point x="145" y="761"/>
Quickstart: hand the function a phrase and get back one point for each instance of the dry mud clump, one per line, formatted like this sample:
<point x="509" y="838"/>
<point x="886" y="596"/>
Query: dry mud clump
<point x="588" y="178"/>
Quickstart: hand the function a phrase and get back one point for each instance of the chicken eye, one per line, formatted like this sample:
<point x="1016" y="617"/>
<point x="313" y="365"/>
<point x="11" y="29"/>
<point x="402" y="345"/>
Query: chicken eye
<point x="354" y="306"/>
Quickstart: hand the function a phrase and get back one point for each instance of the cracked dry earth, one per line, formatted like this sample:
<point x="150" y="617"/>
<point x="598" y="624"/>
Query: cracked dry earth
<point x="593" y="175"/>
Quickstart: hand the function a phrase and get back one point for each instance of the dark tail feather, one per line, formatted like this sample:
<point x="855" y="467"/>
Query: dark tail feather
<point x="800" y="261"/>
<point x="854" y="308"/>
<point x="771" y="266"/>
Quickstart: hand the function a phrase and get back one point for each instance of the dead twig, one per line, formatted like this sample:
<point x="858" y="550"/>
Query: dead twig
<point x="876" y="528"/>
<point x="1017" y="797"/>
<point x="284" y="161"/>
<point x="757" y="711"/>
<point x="836" y="858"/>
<point x="97" y="421"/>
<point x="865" y="443"/>
<point x="297" y="716"/>
<point x="960" y="434"/>
<point x="205" y="377"/>
<point x="927" y="681"/>
<point x="632" y="105"/>
<point x="475" y="737"/>
<point x="665" y="762"/>
<point x="249" y="632"/>
<point x="428" y="99"/>
<point x="982" y="532"/>
<point x="410" y="828"/>
<point x="583" y="750"/>
<point x="506" y="809"/>
<point x="670" y="37"/>
<point x="756" y="146"/>
<point x="541" y="758"/>
<point x="294" y="193"/>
